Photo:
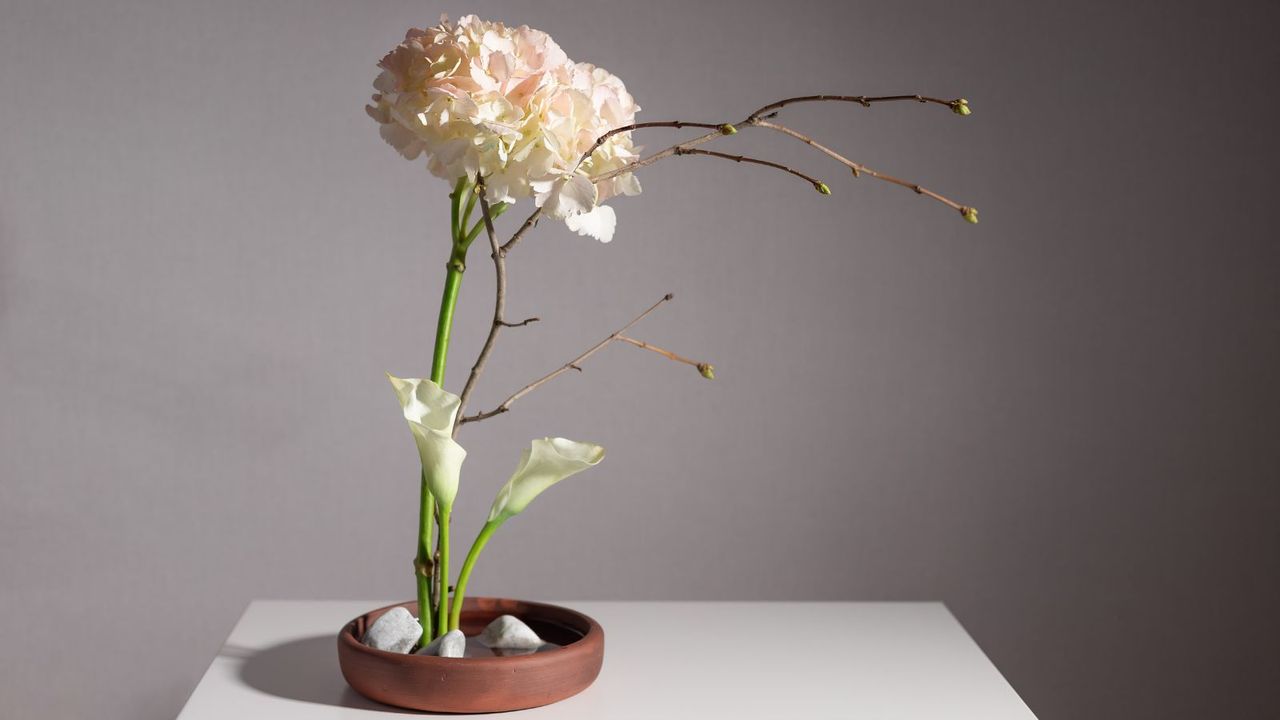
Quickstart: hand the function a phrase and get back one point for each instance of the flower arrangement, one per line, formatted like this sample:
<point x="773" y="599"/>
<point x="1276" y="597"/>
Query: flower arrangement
<point x="503" y="115"/>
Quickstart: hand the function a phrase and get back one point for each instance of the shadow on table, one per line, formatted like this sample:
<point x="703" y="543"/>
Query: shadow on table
<point x="305" y="670"/>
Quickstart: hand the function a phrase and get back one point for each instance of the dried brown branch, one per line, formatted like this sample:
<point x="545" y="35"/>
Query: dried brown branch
<point x="863" y="100"/>
<point x="642" y="162"/>
<point x="817" y="184"/>
<point x="721" y="129"/>
<point x="522" y="323"/>
<point x="860" y="169"/>
<point x="499" y="302"/>
<point x="529" y="222"/>
<point x="571" y="365"/>
<point x="707" y="370"/>
<point x="759" y="118"/>
<point x="678" y="124"/>
<point x="959" y="106"/>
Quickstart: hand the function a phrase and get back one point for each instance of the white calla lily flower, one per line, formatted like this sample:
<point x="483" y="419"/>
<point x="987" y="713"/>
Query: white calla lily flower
<point x="545" y="463"/>
<point x="430" y="411"/>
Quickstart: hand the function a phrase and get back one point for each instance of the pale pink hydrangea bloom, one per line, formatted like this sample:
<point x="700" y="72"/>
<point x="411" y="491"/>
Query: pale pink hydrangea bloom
<point x="508" y="103"/>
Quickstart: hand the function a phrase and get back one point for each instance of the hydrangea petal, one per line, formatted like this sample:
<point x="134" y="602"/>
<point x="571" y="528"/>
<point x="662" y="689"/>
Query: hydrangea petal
<point x="599" y="223"/>
<point x="568" y="196"/>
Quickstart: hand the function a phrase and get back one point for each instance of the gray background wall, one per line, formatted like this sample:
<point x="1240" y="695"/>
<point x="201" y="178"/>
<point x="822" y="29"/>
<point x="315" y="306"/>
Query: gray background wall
<point x="1061" y="422"/>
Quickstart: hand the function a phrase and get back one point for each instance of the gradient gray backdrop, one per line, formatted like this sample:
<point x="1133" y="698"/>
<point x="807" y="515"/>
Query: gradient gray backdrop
<point x="1061" y="422"/>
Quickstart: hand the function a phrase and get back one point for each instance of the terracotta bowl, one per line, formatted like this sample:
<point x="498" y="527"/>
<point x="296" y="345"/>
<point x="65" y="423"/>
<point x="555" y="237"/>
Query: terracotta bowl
<point x="475" y="685"/>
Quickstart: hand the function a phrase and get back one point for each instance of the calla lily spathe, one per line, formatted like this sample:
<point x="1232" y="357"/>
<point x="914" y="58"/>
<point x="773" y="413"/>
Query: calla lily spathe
<point x="430" y="411"/>
<point x="545" y="463"/>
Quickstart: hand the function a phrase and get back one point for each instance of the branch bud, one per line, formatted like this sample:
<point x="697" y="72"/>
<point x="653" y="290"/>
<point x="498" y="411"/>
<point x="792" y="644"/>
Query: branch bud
<point x="960" y="106"/>
<point x="707" y="370"/>
<point x="855" y="172"/>
<point x="970" y="214"/>
<point x="822" y="188"/>
<point x="728" y="129"/>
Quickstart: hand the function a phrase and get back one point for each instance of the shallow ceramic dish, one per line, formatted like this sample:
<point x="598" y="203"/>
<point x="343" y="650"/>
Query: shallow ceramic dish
<point x="479" y="684"/>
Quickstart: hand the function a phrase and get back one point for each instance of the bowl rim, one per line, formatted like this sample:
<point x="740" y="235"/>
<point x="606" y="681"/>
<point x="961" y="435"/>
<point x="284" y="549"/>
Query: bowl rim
<point x="588" y="644"/>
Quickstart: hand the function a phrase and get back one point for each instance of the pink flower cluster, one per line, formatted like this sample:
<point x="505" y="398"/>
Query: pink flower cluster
<point x="480" y="97"/>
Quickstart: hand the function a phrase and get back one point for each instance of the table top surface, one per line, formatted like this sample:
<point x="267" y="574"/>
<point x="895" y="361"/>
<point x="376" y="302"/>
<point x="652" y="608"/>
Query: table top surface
<point x="742" y="660"/>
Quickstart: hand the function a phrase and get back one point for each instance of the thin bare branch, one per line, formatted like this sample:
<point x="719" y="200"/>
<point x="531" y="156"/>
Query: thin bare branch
<point x="529" y="222"/>
<point x="817" y="184"/>
<point x="707" y="370"/>
<point x="522" y="323"/>
<point x="573" y="364"/>
<point x="959" y="106"/>
<point x="863" y="100"/>
<point x="759" y="118"/>
<point x="499" y="303"/>
<point x="678" y="124"/>
<point x="860" y="169"/>
<point x="642" y="162"/>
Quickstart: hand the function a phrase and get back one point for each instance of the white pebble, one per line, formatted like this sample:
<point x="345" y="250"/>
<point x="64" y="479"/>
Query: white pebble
<point x="508" y="632"/>
<point x="397" y="630"/>
<point x="450" y="644"/>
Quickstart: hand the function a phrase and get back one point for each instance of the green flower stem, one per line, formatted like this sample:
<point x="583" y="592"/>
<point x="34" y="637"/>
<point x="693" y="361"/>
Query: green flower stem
<point x="443" y="618"/>
<point x="455" y="205"/>
<point x="428" y="598"/>
<point x="471" y="204"/>
<point x="423" y="561"/>
<point x="426" y="511"/>
<point x="452" y="284"/>
<point x="494" y="213"/>
<point x="460" y="590"/>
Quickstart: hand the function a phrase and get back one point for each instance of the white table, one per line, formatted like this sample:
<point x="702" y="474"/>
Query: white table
<point x="881" y="661"/>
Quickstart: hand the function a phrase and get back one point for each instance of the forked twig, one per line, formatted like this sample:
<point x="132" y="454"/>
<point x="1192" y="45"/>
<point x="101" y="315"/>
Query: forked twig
<point x="668" y="152"/>
<point x="528" y="224"/>
<point x="759" y="118"/>
<point x="677" y="124"/>
<point x="860" y="169"/>
<point x="522" y="323"/>
<point x="573" y="364"/>
<point x="499" y="303"/>
<point x="959" y="106"/>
